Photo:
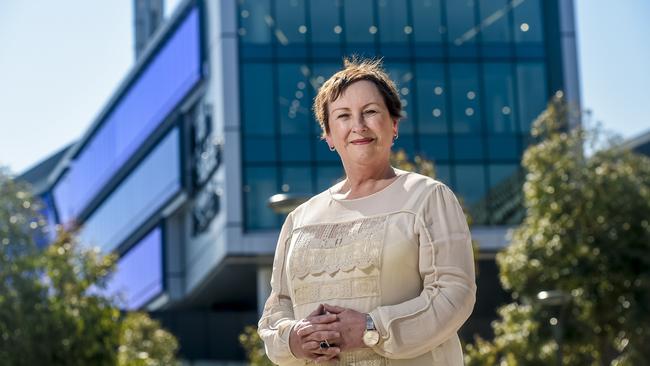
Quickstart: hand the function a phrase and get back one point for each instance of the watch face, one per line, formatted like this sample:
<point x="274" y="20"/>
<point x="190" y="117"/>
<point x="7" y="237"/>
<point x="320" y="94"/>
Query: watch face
<point x="371" y="338"/>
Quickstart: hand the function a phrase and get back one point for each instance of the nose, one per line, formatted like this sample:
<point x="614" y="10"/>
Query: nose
<point x="359" y="124"/>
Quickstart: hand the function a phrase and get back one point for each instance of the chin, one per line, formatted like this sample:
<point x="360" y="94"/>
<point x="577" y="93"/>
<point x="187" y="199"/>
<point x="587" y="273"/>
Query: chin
<point x="365" y="158"/>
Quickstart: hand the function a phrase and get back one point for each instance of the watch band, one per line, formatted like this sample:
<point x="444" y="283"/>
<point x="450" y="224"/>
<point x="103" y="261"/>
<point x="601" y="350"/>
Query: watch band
<point x="370" y="324"/>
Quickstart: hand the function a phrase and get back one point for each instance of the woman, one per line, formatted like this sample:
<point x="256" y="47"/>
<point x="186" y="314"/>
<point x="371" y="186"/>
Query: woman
<point x="378" y="269"/>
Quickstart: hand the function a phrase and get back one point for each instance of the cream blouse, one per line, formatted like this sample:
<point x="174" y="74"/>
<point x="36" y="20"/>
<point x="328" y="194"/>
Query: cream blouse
<point x="402" y="254"/>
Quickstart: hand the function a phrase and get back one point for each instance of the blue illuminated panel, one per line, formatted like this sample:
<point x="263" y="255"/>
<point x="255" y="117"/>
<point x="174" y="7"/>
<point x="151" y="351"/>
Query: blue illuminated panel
<point x="47" y="212"/>
<point x="139" y="274"/>
<point x="154" y="182"/>
<point x="172" y="73"/>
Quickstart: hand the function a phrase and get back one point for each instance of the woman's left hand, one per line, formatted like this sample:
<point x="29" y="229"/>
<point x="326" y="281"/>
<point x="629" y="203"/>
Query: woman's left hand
<point x="350" y="324"/>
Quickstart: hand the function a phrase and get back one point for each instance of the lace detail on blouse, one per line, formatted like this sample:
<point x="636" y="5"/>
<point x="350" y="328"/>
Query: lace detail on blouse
<point x="331" y="248"/>
<point x="348" y="288"/>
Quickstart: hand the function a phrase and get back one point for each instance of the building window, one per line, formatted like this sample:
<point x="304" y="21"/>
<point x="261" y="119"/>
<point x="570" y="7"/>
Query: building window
<point x="427" y="25"/>
<point x="499" y="104"/>
<point x="528" y="22"/>
<point x="360" y="26"/>
<point x="466" y="116"/>
<point x="532" y="93"/>
<point x="260" y="183"/>
<point x="468" y="82"/>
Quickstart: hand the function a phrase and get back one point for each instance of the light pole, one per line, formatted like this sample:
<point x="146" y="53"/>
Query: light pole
<point x="558" y="300"/>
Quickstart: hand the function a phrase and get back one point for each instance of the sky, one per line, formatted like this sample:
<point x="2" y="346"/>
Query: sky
<point x="60" y="62"/>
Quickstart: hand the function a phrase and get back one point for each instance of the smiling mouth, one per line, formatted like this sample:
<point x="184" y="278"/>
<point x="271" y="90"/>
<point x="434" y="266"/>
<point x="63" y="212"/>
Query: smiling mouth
<point x="362" y="141"/>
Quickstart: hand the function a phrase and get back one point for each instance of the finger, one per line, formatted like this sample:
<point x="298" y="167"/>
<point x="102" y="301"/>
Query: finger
<point x="333" y="308"/>
<point x="331" y="336"/>
<point x="329" y="354"/>
<point x="317" y="311"/>
<point x="326" y="353"/>
<point x="321" y="319"/>
<point x="311" y="328"/>
<point x="311" y="346"/>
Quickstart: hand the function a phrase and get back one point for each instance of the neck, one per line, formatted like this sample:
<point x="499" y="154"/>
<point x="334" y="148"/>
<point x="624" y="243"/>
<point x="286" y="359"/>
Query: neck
<point x="364" y="180"/>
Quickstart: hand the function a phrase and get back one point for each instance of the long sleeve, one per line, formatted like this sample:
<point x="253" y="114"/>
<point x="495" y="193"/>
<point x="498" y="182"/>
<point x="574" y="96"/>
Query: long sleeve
<point x="277" y="319"/>
<point x="446" y="266"/>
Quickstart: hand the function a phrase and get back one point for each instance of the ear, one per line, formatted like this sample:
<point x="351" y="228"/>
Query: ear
<point x="395" y="126"/>
<point x="328" y="139"/>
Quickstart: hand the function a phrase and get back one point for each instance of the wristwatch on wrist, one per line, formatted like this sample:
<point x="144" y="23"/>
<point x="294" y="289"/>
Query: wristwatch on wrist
<point x="371" y="335"/>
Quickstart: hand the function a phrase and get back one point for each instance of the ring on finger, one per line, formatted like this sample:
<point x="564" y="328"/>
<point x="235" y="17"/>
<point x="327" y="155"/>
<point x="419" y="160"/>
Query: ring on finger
<point x="324" y="344"/>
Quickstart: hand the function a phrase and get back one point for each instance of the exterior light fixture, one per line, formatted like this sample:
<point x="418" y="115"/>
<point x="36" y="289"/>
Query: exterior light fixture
<point x="283" y="203"/>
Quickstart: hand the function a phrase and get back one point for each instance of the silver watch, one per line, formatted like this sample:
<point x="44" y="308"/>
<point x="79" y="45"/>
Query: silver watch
<point x="370" y="335"/>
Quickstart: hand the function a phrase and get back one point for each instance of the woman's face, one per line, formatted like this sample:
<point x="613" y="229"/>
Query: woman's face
<point x="360" y="126"/>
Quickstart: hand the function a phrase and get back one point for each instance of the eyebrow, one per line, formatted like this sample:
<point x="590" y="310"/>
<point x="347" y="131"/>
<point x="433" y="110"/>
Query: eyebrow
<point x="347" y="109"/>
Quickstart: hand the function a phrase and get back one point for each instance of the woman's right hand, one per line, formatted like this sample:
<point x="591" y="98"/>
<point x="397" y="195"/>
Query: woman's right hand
<point x="308" y="346"/>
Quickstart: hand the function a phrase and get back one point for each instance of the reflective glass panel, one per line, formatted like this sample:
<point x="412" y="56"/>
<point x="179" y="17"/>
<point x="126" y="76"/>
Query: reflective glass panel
<point x="257" y="108"/>
<point x="468" y="148"/>
<point x="503" y="147"/>
<point x="260" y="184"/>
<point x="359" y="23"/>
<point x="290" y="22"/>
<point x="393" y="24"/>
<point x="434" y="147"/>
<point x="297" y="180"/>
<point x="402" y="75"/>
<point x="326" y="25"/>
<point x="443" y="173"/>
<point x="426" y="20"/>
<point x="528" y="21"/>
<point x="296" y="148"/>
<point x="47" y="235"/>
<point x="406" y="143"/>
<point x="502" y="173"/>
<point x="431" y="92"/>
<point x="294" y="99"/>
<point x="460" y="22"/>
<point x="327" y="176"/>
<point x="260" y="149"/>
<point x="323" y="154"/>
<point x="505" y="185"/>
<point x="466" y="116"/>
<point x="532" y="90"/>
<point x="143" y="193"/>
<point x="291" y="28"/>
<point x="495" y="24"/>
<point x="470" y="184"/>
<point x="499" y="103"/>
<point x="138" y="276"/>
<point x="321" y="72"/>
<point x="255" y="21"/>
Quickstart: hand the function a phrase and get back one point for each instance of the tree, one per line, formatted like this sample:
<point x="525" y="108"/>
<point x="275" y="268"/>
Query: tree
<point x="52" y="309"/>
<point x="586" y="233"/>
<point x="254" y="347"/>
<point x="144" y="343"/>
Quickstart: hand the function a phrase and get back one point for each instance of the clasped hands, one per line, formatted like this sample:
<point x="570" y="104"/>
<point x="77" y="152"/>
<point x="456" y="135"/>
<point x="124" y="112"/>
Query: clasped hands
<point x="341" y="327"/>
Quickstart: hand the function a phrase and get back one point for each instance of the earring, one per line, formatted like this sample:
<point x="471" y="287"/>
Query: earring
<point x="395" y="137"/>
<point x="332" y="148"/>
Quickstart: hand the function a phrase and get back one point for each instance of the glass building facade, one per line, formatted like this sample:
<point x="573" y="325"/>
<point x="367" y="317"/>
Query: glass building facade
<point x="472" y="75"/>
<point x="128" y="168"/>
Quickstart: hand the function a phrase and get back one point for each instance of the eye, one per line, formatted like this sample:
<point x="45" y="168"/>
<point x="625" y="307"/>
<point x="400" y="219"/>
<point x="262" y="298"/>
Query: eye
<point x="370" y="111"/>
<point x="343" y="115"/>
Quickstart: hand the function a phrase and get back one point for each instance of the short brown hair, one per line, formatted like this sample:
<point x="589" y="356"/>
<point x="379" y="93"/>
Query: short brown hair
<point x="356" y="69"/>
